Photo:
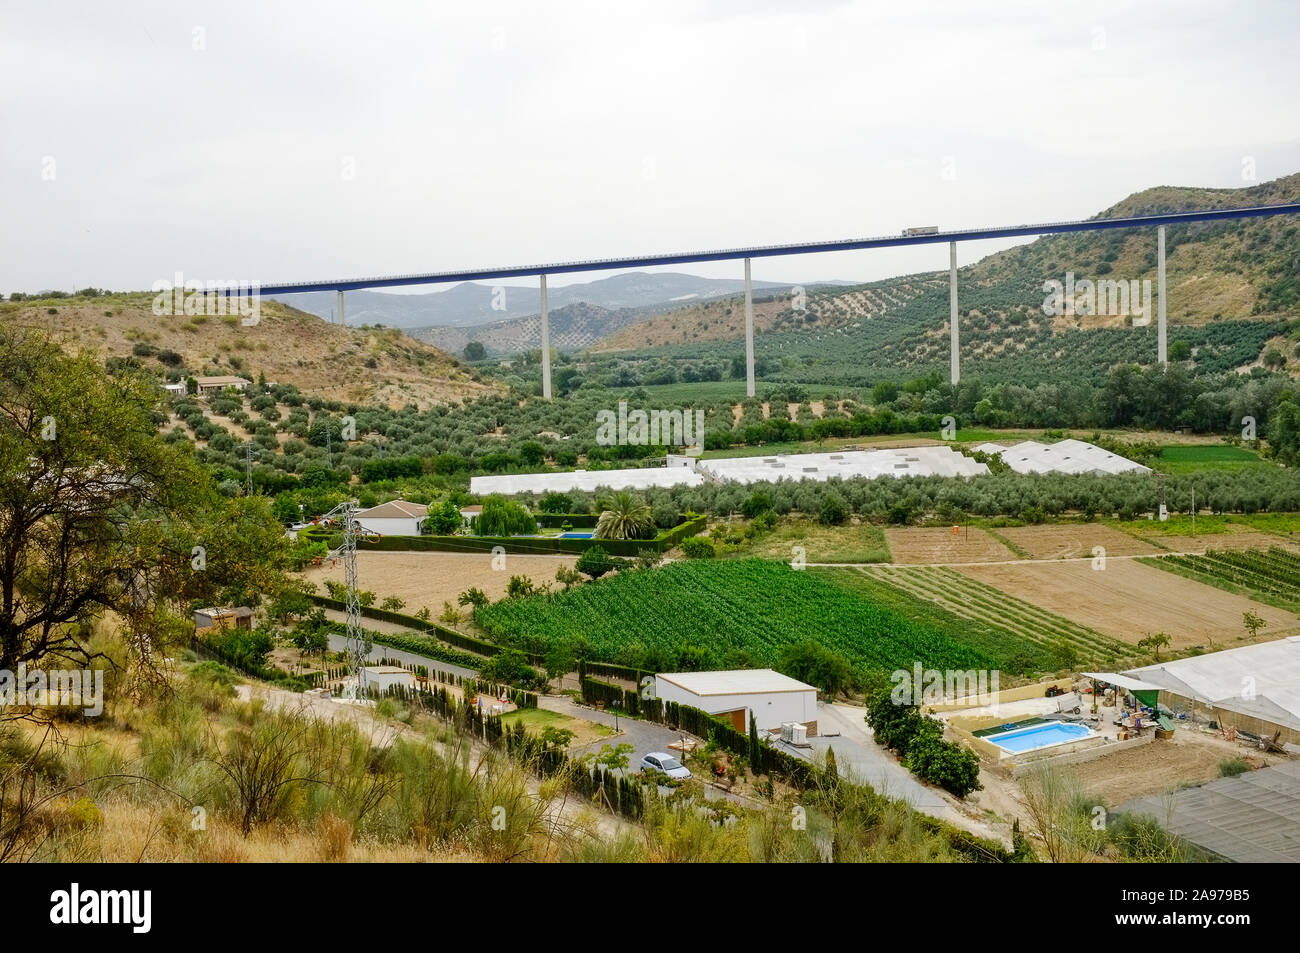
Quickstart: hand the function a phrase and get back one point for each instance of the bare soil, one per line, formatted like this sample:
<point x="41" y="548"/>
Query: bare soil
<point x="1233" y="539"/>
<point x="1128" y="600"/>
<point x="429" y="579"/>
<point x="938" y="544"/>
<point x="1189" y="757"/>
<point x="1078" y="540"/>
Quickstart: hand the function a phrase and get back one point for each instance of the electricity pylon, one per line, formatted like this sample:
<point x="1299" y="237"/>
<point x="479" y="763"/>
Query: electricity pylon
<point x="249" y="451"/>
<point x="356" y="649"/>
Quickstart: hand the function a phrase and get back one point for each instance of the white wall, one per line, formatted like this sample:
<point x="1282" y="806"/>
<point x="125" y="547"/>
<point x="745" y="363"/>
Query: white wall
<point x="382" y="681"/>
<point x="770" y="709"/>
<point x="392" y="527"/>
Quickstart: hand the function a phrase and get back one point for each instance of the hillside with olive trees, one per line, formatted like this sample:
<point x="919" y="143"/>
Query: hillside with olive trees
<point x="369" y="365"/>
<point x="1233" y="287"/>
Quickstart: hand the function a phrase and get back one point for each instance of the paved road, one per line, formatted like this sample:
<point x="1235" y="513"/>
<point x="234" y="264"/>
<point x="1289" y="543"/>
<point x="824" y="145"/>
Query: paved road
<point x="377" y="651"/>
<point x="643" y="736"/>
<point x="859" y="758"/>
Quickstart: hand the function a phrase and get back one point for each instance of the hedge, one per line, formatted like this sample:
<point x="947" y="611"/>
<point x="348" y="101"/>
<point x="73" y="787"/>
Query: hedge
<point x="625" y="672"/>
<point x="416" y="645"/>
<point x="439" y="632"/>
<point x="545" y="545"/>
<point x="557" y="520"/>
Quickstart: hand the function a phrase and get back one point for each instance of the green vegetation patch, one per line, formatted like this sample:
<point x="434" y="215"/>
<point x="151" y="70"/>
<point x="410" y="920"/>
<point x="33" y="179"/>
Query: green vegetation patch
<point x="719" y="607"/>
<point x="864" y="543"/>
<point x="1270" y="576"/>
<point x="1016" y="654"/>
<point x="1187" y="458"/>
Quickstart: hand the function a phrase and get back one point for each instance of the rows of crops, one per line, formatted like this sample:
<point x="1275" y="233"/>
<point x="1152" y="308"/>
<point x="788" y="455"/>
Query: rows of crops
<point x="1274" y="572"/>
<point x="980" y="602"/>
<point x="1018" y="655"/>
<point x="754" y="606"/>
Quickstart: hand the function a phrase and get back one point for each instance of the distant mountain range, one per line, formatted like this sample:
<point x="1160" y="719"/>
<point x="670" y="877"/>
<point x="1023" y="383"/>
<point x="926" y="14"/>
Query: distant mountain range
<point x="472" y="304"/>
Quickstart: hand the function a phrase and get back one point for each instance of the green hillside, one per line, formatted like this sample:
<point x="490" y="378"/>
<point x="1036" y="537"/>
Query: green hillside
<point x="1233" y="287"/>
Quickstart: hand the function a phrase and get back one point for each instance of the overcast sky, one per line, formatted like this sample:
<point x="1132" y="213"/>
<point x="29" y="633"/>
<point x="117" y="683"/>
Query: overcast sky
<point x="287" y="142"/>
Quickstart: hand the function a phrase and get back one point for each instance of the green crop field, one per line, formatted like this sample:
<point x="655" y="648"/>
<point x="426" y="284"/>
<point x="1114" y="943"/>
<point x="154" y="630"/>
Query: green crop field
<point x="759" y="607"/>
<point x="1017" y="653"/>
<point x="1193" y="457"/>
<point x="1272" y="576"/>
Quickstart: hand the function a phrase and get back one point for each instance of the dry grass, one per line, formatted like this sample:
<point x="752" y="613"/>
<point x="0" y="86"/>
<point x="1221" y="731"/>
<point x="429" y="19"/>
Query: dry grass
<point x="429" y="579"/>
<point x="288" y="346"/>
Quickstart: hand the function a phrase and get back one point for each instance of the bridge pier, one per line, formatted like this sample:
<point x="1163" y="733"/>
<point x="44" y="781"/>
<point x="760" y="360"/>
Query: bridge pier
<point x="1161" y="335"/>
<point x="749" y="333"/>
<point x="546" y="344"/>
<point x="342" y="318"/>
<point x="952" y="313"/>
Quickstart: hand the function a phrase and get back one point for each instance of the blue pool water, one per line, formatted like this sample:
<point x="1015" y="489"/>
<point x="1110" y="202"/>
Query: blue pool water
<point x="575" y="536"/>
<point x="1039" y="736"/>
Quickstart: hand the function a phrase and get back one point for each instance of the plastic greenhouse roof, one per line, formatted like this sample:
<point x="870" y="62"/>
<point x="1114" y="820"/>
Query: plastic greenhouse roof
<point x="896" y="461"/>
<point x="1252" y="818"/>
<point x="1266" y="675"/>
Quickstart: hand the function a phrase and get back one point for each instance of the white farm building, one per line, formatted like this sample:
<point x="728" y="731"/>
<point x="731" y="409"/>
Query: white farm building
<point x="379" y="678"/>
<point x="769" y="697"/>
<point x="394" y="518"/>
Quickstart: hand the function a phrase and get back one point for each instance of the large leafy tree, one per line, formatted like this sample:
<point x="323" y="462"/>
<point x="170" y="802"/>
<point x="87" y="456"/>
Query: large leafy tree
<point x="624" y="515"/>
<point x="502" y="517"/>
<point x="100" y="517"/>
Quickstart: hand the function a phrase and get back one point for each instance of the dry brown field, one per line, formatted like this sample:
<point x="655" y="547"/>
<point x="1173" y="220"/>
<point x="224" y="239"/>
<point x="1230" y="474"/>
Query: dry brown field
<point x="429" y="579"/>
<point x="1128" y="600"/>
<point x="1076" y="540"/>
<point x="938" y="544"/>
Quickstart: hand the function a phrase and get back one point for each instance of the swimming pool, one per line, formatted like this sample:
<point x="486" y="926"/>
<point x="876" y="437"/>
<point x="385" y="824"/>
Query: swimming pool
<point x="1040" y="736"/>
<point x="575" y="536"/>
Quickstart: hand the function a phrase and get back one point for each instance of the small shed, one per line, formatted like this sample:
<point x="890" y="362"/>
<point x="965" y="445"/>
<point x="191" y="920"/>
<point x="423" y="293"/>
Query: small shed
<point x="766" y="696"/>
<point x="224" y="617"/>
<point x="381" y="678"/>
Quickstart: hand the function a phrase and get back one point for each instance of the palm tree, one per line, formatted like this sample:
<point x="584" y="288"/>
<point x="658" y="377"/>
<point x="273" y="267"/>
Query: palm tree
<point x="624" y="515"/>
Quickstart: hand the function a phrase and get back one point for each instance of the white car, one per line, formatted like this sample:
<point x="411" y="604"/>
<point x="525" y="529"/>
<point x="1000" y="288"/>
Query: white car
<point x="658" y="761"/>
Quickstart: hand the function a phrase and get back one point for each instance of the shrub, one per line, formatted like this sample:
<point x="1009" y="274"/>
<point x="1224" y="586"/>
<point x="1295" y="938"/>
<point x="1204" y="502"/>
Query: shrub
<point x="697" y="548"/>
<point x="1231" y="767"/>
<point x="834" y="510"/>
<point x="595" y="562"/>
<point x="444" y="518"/>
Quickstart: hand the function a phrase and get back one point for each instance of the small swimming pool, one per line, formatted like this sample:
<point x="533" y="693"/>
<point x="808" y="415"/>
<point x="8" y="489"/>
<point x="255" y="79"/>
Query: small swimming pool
<point x="1040" y="736"/>
<point x="575" y="536"/>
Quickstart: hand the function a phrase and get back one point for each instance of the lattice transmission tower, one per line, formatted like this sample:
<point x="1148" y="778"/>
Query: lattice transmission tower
<point x="357" y="647"/>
